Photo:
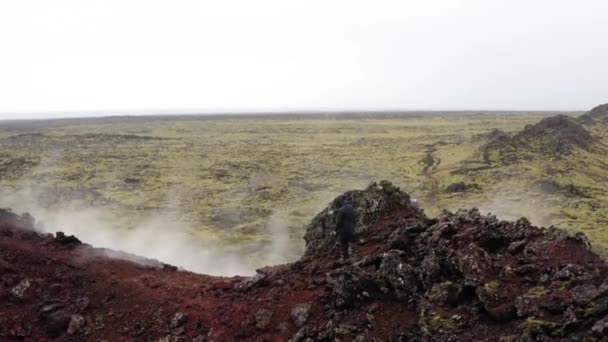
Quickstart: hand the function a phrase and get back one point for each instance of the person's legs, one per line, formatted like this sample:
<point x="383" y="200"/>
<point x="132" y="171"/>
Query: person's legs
<point x="345" y="250"/>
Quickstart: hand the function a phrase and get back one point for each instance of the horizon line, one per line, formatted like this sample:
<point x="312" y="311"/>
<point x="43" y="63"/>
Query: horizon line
<point x="84" y="114"/>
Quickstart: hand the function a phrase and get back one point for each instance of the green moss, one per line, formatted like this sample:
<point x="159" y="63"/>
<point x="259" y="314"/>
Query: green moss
<point x="491" y="287"/>
<point x="449" y="284"/>
<point x="567" y="284"/>
<point x="537" y="291"/>
<point x="590" y="309"/>
<point x="438" y="322"/>
<point x="534" y="324"/>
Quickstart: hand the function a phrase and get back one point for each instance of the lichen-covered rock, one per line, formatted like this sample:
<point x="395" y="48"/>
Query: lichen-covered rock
<point x="350" y="286"/>
<point x="473" y="263"/>
<point x="447" y="292"/>
<point x="401" y="279"/>
<point x="376" y="200"/>
<point x="463" y="269"/>
<point x="466" y="269"/>
<point x="527" y="305"/>
<point x="429" y="269"/>
<point x="299" y="314"/>
<point x="496" y="306"/>
<point x="434" y="326"/>
<point x="330" y="331"/>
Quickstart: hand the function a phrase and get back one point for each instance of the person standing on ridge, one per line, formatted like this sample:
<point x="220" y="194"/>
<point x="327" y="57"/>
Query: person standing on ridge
<point x="346" y="221"/>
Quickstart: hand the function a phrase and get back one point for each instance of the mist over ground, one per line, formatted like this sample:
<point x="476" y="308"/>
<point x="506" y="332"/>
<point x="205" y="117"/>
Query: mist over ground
<point x="167" y="236"/>
<point x="163" y="235"/>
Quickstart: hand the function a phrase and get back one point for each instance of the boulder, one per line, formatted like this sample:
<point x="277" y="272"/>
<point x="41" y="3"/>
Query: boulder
<point x="262" y="318"/>
<point x="178" y="319"/>
<point x="299" y="314"/>
<point x="76" y="324"/>
<point x="55" y="319"/>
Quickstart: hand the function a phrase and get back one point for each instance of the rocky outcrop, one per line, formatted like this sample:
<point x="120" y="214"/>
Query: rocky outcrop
<point x="376" y="200"/>
<point x="461" y="187"/>
<point x="553" y="187"/>
<point x="24" y="222"/>
<point x="465" y="272"/>
<point x="554" y="136"/>
<point x="598" y="114"/>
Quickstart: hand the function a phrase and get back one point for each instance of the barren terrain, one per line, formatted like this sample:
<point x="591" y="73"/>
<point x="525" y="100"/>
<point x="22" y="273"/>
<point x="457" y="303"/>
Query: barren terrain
<point x="459" y="277"/>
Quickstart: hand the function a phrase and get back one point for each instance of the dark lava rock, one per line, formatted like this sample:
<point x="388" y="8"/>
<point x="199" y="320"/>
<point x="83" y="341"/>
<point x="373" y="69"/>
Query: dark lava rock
<point x="25" y="221"/>
<point x="377" y="199"/>
<point x="554" y="187"/>
<point x="400" y="278"/>
<point x="258" y="280"/>
<point x="347" y="286"/>
<point x="82" y="303"/>
<point x="55" y="319"/>
<point x="495" y="140"/>
<point x="299" y="314"/>
<point x="76" y="324"/>
<point x="20" y="290"/>
<point x="460" y="270"/>
<point x="69" y="240"/>
<point x="262" y="318"/>
<point x="178" y="320"/>
<point x="461" y="187"/>
<point x="597" y="114"/>
<point x="555" y="136"/>
<point x="6" y="267"/>
<point x="600" y="328"/>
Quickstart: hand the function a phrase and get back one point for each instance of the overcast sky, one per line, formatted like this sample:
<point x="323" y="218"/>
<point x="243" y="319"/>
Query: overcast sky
<point x="130" y="56"/>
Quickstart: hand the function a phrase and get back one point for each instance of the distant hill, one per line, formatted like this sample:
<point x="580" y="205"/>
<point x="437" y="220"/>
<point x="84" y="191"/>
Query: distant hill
<point x="553" y="136"/>
<point x="556" y="135"/>
<point x="595" y="115"/>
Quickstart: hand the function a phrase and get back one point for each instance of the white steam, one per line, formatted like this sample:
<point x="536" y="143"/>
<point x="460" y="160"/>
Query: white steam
<point x="162" y="235"/>
<point x="512" y="204"/>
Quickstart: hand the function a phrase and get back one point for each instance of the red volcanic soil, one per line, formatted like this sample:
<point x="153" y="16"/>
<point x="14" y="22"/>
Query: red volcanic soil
<point x="460" y="277"/>
<point x="122" y="301"/>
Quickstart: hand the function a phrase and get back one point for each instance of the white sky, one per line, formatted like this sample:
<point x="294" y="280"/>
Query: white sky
<point x="132" y="56"/>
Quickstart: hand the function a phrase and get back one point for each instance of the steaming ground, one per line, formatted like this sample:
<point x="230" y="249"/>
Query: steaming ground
<point x="157" y="238"/>
<point x="163" y="236"/>
<point x="512" y="204"/>
<point x="167" y="237"/>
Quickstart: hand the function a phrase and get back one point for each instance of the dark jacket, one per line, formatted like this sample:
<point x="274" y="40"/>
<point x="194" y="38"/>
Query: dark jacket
<point x="346" y="221"/>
